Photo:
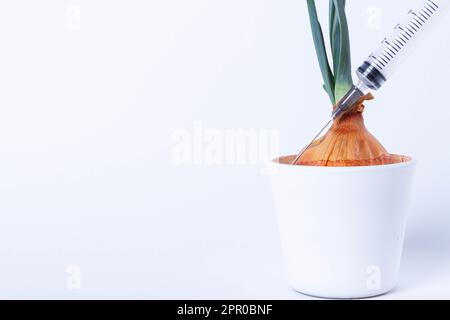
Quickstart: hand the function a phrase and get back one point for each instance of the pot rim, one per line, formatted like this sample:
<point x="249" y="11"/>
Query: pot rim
<point x="412" y="162"/>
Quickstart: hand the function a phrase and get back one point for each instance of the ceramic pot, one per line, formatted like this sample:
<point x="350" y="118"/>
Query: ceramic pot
<point x="342" y="229"/>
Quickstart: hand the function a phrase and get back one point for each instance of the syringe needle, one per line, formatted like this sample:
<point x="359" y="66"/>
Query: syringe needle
<point x="312" y="141"/>
<point x="343" y="106"/>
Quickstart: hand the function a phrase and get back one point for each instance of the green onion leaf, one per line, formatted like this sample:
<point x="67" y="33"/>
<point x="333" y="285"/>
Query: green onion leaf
<point x="327" y="75"/>
<point x="340" y="48"/>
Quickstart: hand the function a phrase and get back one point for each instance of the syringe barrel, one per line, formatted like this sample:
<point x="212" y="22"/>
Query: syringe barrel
<point x="382" y="63"/>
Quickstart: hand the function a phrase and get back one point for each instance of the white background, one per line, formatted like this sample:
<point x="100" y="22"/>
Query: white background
<point x="88" y="109"/>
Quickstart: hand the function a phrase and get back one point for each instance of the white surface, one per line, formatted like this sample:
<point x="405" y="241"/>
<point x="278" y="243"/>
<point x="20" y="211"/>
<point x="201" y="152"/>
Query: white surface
<point x="350" y="245"/>
<point x="88" y="112"/>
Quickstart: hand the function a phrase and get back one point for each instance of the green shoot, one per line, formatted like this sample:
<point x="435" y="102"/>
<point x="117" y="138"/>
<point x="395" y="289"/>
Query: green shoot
<point x="337" y="82"/>
<point x="321" y="51"/>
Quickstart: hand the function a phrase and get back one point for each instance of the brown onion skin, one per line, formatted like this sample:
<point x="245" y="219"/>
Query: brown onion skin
<point x="349" y="144"/>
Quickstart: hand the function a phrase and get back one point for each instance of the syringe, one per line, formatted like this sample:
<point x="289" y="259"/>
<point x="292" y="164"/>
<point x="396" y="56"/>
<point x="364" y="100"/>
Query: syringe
<point x="383" y="62"/>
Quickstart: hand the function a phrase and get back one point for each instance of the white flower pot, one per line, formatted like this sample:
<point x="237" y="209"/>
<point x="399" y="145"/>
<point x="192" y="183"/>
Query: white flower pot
<point x="342" y="229"/>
